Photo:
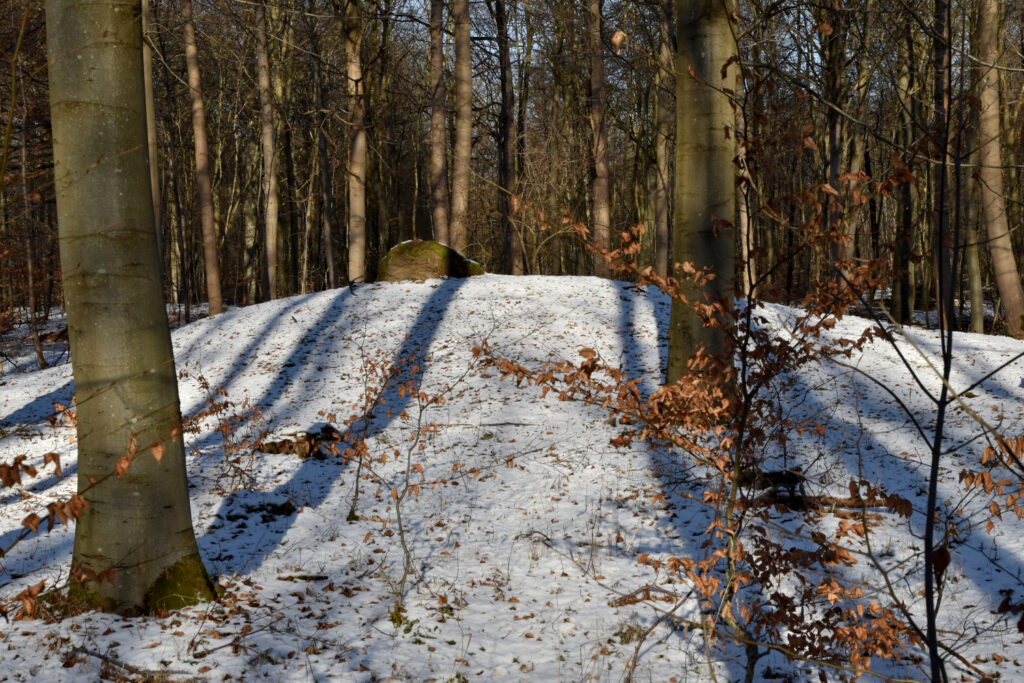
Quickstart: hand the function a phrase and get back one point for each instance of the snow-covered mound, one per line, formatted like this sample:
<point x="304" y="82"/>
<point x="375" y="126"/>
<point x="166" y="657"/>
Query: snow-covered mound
<point x="523" y="523"/>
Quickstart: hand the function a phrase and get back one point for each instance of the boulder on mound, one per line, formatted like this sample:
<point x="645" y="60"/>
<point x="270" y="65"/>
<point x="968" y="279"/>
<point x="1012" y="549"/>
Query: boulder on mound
<point x="423" y="259"/>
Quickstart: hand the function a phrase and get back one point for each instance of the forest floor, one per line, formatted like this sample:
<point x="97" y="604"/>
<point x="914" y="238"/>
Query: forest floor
<point x="523" y="523"/>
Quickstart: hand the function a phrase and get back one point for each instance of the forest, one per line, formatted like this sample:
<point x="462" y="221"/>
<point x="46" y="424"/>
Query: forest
<point x="757" y="261"/>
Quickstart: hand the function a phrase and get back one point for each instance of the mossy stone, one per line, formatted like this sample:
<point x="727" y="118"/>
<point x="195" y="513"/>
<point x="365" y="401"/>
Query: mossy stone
<point x="424" y="259"/>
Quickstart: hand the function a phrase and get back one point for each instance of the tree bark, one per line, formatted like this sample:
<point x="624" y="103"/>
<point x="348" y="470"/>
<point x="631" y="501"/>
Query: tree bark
<point x="182" y="293"/>
<point x="271" y="190"/>
<point x="601" y="188"/>
<point x="326" y="178"/>
<point x="137" y="530"/>
<point x="203" y="188"/>
<point x="902" y="287"/>
<point x="506" y="141"/>
<point x="1000" y="246"/>
<point x="943" y="247"/>
<point x="151" y="131"/>
<point x="438" y="138"/>
<point x="463" y="151"/>
<point x="525" y="53"/>
<point x="662" y="143"/>
<point x="357" y="154"/>
<point x="705" y="174"/>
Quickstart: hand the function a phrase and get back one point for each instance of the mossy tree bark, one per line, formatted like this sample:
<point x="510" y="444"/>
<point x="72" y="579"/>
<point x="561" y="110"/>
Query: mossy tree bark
<point x="138" y="525"/>
<point x="705" y="173"/>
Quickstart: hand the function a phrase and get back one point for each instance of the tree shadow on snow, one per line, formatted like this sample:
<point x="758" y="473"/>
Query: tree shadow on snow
<point x="230" y="544"/>
<point x="688" y="520"/>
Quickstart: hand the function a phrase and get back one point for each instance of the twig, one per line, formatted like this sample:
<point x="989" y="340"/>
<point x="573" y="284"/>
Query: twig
<point x="161" y="675"/>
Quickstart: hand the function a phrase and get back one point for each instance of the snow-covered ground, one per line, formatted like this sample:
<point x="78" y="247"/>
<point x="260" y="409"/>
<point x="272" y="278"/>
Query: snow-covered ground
<point x="527" y="524"/>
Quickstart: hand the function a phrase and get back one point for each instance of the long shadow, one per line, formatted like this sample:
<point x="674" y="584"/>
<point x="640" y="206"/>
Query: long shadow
<point x="41" y="407"/>
<point x="246" y="357"/>
<point x="692" y="519"/>
<point x="912" y="483"/>
<point x="229" y="543"/>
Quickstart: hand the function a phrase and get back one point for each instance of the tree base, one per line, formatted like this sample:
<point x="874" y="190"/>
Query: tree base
<point x="183" y="584"/>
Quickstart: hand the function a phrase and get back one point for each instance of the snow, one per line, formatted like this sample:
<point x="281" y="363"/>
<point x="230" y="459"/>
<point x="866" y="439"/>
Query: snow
<point x="528" y="523"/>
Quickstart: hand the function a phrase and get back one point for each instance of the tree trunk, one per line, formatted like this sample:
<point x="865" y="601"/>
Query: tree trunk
<point x="1000" y="246"/>
<point x="182" y="293"/>
<point x="28" y="220"/>
<point x="357" y="150"/>
<point x="744" y="231"/>
<point x="601" y="214"/>
<point x="942" y="232"/>
<point x="135" y="549"/>
<point x="705" y="174"/>
<point x="271" y="190"/>
<point x="438" y="144"/>
<point x="463" y="151"/>
<point x="525" y="53"/>
<point x="203" y="188"/>
<point x="151" y="131"/>
<point x="326" y="178"/>
<point x="902" y="287"/>
<point x="662" y="140"/>
<point x="506" y="141"/>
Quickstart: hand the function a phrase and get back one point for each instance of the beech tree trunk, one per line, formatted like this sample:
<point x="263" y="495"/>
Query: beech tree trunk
<point x="601" y="213"/>
<point x="1000" y="246"/>
<point x="203" y="187"/>
<point x="151" y="132"/>
<point x="506" y="142"/>
<point x="357" y="152"/>
<point x="271" y="190"/>
<point x="662" y="151"/>
<point x="943" y="248"/>
<point x="136" y="534"/>
<point x="463" y="152"/>
<point x="438" y="138"/>
<point x="705" y="174"/>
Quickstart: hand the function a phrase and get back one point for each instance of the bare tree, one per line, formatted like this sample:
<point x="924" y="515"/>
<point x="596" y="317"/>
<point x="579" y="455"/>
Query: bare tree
<point x="601" y="189"/>
<point x="463" y="152"/>
<point x="271" y="191"/>
<point x="438" y="138"/>
<point x="203" y="186"/>
<point x="1000" y="246"/>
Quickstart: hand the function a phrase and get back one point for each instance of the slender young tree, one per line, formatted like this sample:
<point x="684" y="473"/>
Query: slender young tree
<point x="271" y="192"/>
<point x="438" y="138"/>
<point x="204" y="190"/>
<point x="151" y="131"/>
<point x="511" y="255"/>
<point x="357" y="153"/>
<point x="601" y="188"/>
<point x="326" y="179"/>
<point x="990" y="173"/>
<point x="463" y="152"/>
<point x="705" y="174"/>
<point x="135" y="549"/>
<point x="662" y="150"/>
